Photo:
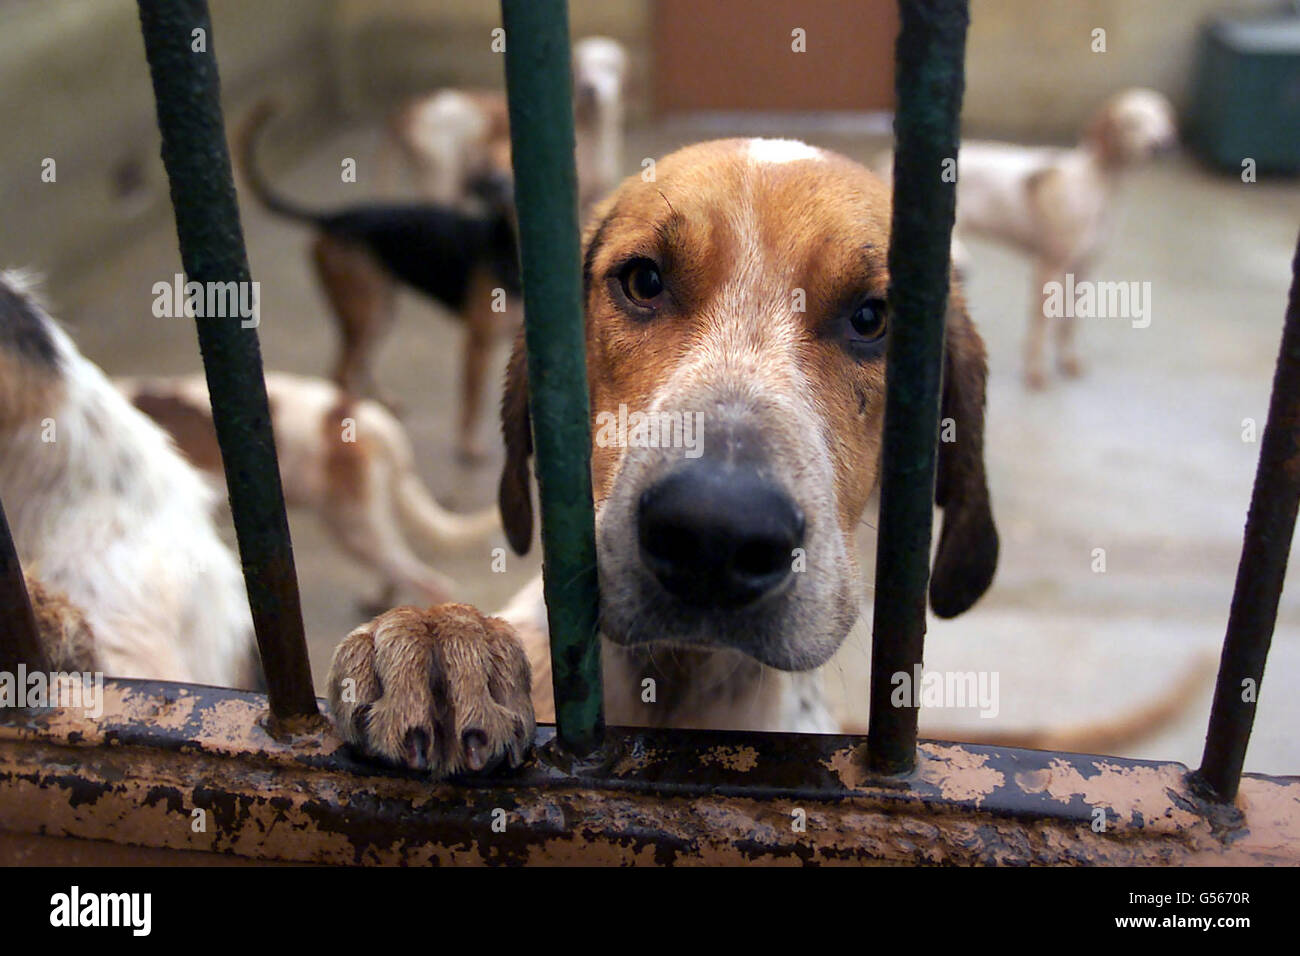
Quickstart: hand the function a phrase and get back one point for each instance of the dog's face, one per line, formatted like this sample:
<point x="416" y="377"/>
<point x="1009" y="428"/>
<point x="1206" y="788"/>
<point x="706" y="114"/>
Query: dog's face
<point x="599" y="69"/>
<point x="736" y="329"/>
<point x="1134" y="126"/>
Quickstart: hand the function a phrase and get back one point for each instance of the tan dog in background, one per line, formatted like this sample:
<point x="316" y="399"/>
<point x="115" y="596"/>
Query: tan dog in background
<point x="347" y="459"/>
<point x="689" y="311"/>
<point x="451" y="137"/>
<point x="1057" y="204"/>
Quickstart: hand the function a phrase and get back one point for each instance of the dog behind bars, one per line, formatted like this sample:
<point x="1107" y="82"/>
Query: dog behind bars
<point x="115" y="526"/>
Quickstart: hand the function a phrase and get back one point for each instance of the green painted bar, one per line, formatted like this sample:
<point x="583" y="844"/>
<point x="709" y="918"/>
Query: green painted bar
<point x="929" y="83"/>
<point x="540" y="86"/>
<point x="186" y="86"/>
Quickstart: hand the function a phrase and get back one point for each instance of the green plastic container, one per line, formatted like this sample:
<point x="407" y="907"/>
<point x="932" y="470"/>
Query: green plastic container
<point x="1246" y="94"/>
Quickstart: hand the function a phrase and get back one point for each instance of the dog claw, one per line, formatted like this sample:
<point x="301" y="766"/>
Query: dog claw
<point x="476" y="749"/>
<point x="417" y="749"/>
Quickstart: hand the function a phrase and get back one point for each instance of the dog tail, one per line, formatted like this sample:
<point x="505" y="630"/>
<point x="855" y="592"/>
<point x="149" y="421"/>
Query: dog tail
<point x="248" y="136"/>
<point x="435" y="525"/>
<point x="1105" y="737"/>
<point x="419" y="512"/>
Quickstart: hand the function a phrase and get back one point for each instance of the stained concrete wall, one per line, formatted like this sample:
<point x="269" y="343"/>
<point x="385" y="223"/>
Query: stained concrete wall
<point x="1031" y="70"/>
<point x="1031" y="73"/>
<point x="74" y="87"/>
<point x="387" y="49"/>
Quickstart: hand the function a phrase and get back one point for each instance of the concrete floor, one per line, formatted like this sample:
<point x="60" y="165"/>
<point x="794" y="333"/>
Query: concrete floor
<point x="1143" y="457"/>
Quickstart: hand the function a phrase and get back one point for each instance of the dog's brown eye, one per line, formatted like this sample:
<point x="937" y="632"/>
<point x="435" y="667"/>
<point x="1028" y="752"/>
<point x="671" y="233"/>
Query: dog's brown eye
<point x="868" y="320"/>
<point x="642" y="282"/>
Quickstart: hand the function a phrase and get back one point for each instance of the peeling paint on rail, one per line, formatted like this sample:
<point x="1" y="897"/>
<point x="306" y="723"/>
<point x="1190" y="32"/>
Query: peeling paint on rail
<point x="133" y="777"/>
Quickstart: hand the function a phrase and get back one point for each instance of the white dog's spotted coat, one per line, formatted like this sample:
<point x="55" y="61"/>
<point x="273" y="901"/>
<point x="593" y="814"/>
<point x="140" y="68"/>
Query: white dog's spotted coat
<point x="104" y="509"/>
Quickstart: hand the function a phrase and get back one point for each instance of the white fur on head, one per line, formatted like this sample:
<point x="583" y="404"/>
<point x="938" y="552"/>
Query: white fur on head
<point x="1139" y="122"/>
<point x="781" y="151"/>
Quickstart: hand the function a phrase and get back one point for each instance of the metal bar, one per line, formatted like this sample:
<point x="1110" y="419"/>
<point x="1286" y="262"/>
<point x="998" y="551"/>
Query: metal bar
<point x="19" y="642"/>
<point x="187" y="89"/>
<point x="930" y="57"/>
<point x="540" y="88"/>
<point x="1270" y="525"/>
<point x="667" y="797"/>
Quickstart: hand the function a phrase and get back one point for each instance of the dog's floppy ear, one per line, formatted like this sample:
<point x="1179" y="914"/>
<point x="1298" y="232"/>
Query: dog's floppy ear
<point x="515" y="495"/>
<point x="1104" y="135"/>
<point x="968" y="544"/>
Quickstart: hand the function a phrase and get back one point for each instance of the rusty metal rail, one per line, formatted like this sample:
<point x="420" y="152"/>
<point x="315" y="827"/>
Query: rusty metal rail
<point x="133" y="777"/>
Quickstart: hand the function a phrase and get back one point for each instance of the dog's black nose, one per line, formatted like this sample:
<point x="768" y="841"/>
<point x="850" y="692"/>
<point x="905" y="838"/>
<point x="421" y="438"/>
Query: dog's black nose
<point x="717" y="535"/>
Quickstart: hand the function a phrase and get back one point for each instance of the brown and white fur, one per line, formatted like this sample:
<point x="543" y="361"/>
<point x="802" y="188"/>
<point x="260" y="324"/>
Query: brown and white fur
<point x="106" y="514"/>
<point x="699" y="588"/>
<point x="1056" y="205"/>
<point x="450" y="137"/>
<point x="793" y="402"/>
<point x="347" y="459"/>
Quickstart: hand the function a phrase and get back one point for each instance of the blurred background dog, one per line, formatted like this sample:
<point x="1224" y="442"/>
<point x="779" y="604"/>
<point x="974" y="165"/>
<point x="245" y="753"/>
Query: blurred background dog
<point x="107" y="515"/>
<point x="1056" y="205"/>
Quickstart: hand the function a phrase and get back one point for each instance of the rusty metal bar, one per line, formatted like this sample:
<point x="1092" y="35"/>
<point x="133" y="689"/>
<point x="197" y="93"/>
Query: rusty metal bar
<point x="540" y="88"/>
<point x="132" y="776"/>
<point x="19" y="642"/>
<point x="1270" y="526"/>
<point x="179" y="43"/>
<point x="929" y="82"/>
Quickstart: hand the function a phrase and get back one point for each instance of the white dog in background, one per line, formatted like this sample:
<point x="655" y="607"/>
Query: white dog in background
<point x="105" y="511"/>
<point x="453" y="136"/>
<point x="1057" y="204"/>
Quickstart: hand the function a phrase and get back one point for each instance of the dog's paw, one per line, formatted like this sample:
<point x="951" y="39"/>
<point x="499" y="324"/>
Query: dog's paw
<point x="1070" y="366"/>
<point x="442" y="689"/>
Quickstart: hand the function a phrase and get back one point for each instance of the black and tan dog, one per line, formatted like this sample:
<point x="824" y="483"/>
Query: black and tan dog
<point x="467" y="262"/>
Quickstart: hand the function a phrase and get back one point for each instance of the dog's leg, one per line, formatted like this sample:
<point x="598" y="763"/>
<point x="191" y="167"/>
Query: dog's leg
<point x="363" y="301"/>
<point x="1035" y="363"/>
<point x="478" y="349"/>
<point x="1067" y="356"/>
<point x="359" y="509"/>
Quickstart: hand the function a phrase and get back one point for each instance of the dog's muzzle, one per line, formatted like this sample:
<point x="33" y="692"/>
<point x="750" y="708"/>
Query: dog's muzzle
<point x="718" y="534"/>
